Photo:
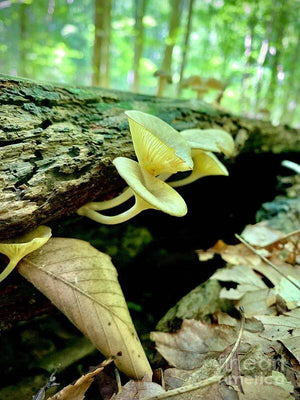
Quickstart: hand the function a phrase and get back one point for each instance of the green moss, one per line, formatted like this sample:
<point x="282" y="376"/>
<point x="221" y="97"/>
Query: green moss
<point x="134" y="240"/>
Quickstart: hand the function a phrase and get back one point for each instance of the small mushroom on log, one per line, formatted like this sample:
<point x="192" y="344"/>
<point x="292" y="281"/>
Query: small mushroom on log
<point x="163" y="78"/>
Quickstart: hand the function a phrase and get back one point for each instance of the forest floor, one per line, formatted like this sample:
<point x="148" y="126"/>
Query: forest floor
<point x="156" y="259"/>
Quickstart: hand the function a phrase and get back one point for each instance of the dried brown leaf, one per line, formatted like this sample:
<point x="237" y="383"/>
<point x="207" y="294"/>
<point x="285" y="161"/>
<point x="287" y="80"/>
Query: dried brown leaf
<point x="82" y="282"/>
<point x="274" y="386"/>
<point x="233" y="254"/>
<point x="137" y="390"/>
<point x="176" y="378"/>
<point x="261" y="234"/>
<point x="77" y="390"/>
<point x="281" y="250"/>
<point x="285" y="328"/>
<point x="193" y="343"/>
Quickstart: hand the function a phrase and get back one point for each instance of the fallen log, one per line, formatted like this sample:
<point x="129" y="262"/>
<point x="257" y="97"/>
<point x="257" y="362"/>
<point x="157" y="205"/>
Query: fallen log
<point x="57" y="144"/>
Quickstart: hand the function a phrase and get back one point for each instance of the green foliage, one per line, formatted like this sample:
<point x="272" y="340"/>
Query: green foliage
<point x="253" y="46"/>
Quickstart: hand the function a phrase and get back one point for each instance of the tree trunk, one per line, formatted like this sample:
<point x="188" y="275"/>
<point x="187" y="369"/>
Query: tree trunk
<point x="290" y="84"/>
<point x="262" y="58"/>
<point x="281" y="26"/>
<point x="100" y="63"/>
<point x="185" y="45"/>
<point x="292" y="115"/>
<point x="56" y="150"/>
<point x="249" y="39"/>
<point x="22" y="67"/>
<point x="170" y="43"/>
<point x="140" y="6"/>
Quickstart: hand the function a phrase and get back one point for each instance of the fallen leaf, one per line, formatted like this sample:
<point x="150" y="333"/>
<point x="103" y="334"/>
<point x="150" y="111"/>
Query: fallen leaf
<point x="233" y="254"/>
<point x="251" y="293"/>
<point x="261" y="234"/>
<point x="285" y="328"/>
<point x="78" y="389"/>
<point x="246" y="278"/>
<point x="280" y="249"/>
<point x="266" y="387"/>
<point x="257" y="303"/>
<point x="106" y="382"/>
<point x="251" y="324"/>
<point x="211" y="392"/>
<point x="137" y="390"/>
<point x="82" y="282"/>
<point x="193" y="343"/>
<point x="198" y="304"/>
<point x="175" y="377"/>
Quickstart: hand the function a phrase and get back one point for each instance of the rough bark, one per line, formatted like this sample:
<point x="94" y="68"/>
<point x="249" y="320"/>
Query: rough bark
<point x="57" y="145"/>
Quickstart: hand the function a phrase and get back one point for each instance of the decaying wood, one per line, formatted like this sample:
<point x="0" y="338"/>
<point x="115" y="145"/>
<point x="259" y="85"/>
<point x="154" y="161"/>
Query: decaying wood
<point x="57" y="145"/>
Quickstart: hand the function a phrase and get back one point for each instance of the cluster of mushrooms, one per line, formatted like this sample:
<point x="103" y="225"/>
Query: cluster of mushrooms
<point x="161" y="151"/>
<point x="202" y="86"/>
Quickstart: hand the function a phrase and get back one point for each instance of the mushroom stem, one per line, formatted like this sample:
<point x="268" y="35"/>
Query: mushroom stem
<point x="205" y="164"/>
<point x="9" y="268"/>
<point x="194" y="176"/>
<point x="139" y="206"/>
<point x="116" y="201"/>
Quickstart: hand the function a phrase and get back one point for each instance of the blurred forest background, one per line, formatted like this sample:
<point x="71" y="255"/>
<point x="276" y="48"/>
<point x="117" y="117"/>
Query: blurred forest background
<point x="244" y="55"/>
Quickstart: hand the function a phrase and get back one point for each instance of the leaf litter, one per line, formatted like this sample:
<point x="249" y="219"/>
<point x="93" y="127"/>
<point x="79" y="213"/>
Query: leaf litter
<point x="227" y="358"/>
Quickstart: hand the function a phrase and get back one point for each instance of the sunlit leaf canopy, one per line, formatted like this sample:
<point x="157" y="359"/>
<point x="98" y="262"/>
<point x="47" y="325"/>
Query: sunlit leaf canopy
<point x="251" y="46"/>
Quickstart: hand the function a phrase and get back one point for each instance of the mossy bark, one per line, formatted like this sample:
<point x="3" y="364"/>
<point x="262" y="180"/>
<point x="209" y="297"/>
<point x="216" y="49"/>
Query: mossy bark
<point x="57" y="145"/>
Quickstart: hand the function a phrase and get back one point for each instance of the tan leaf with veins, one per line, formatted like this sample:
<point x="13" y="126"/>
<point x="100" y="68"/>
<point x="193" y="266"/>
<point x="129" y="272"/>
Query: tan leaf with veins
<point x="281" y="250"/>
<point x="77" y="390"/>
<point x="82" y="282"/>
<point x="266" y="387"/>
<point x="247" y="280"/>
<point x="285" y="328"/>
<point x="193" y="343"/>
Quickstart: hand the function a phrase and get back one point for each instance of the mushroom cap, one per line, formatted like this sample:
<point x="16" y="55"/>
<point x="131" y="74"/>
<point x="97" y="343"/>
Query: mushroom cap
<point x="215" y="140"/>
<point x="206" y="163"/>
<point x="163" y="74"/>
<point x="158" y="147"/>
<point x="213" y="83"/>
<point x="192" y="81"/>
<point x="153" y="191"/>
<point x="21" y="246"/>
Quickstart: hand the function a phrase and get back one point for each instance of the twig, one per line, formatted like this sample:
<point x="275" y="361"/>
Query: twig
<point x="188" y="388"/>
<point x="42" y="392"/>
<point x="118" y="380"/>
<point x="266" y="260"/>
<point x="282" y="239"/>
<point x="238" y="340"/>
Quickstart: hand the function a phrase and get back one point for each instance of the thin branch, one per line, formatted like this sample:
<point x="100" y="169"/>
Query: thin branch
<point x="282" y="239"/>
<point x="238" y="341"/>
<point x="188" y="388"/>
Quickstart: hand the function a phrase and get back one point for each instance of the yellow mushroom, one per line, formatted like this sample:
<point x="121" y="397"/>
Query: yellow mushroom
<point x="18" y="248"/>
<point x="202" y="143"/>
<point x="205" y="164"/>
<point x="215" y="140"/>
<point x="150" y="193"/>
<point x="159" y="149"/>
